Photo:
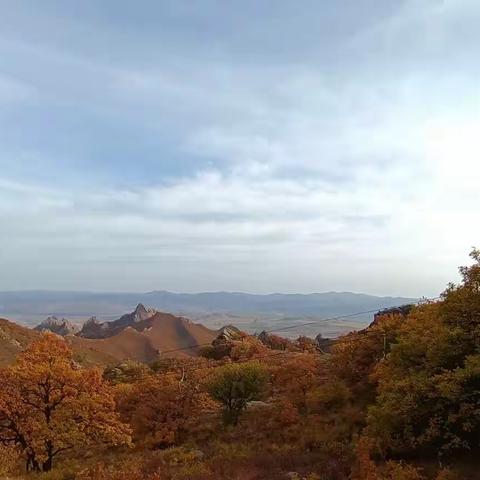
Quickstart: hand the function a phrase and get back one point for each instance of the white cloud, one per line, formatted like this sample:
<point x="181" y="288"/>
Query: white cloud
<point x="360" y="172"/>
<point x="231" y="223"/>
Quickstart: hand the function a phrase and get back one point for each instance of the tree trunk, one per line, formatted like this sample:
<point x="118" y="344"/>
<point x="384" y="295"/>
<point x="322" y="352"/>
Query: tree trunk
<point x="31" y="464"/>
<point x="47" y="465"/>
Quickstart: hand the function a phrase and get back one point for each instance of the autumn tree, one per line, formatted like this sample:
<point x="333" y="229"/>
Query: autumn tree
<point x="429" y="385"/>
<point x="366" y="469"/>
<point x="159" y="407"/>
<point x="234" y="385"/>
<point x="128" y="371"/>
<point x="428" y="392"/>
<point x="355" y="356"/>
<point x="247" y="348"/>
<point x="48" y="405"/>
<point x="296" y="377"/>
<point x="461" y="303"/>
<point x="10" y="459"/>
<point x="218" y="350"/>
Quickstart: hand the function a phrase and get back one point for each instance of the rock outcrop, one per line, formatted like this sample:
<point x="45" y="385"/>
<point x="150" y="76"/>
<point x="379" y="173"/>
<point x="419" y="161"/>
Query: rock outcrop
<point x="61" y="327"/>
<point x="95" y="329"/>
<point x="229" y="333"/>
<point x="92" y="328"/>
<point x="402" y="310"/>
<point x="144" y="335"/>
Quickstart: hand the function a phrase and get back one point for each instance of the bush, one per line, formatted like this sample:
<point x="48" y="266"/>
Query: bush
<point x="235" y="385"/>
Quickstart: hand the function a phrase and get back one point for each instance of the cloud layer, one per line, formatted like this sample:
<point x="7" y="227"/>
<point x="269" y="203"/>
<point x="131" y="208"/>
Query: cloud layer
<point x="202" y="147"/>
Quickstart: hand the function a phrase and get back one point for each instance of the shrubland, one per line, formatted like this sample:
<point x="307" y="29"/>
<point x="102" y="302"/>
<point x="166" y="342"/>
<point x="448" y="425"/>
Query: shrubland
<point x="399" y="400"/>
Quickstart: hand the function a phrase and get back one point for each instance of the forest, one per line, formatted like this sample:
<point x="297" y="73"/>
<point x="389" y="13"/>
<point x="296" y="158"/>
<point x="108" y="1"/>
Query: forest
<point x="399" y="400"/>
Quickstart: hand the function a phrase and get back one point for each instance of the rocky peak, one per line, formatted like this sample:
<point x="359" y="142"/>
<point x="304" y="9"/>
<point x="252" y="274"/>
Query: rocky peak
<point x="141" y="313"/>
<point x="55" y="325"/>
<point x="322" y="343"/>
<point x="140" y="308"/>
<point x="92" y="328"/>
<point x="263" y="336"/>
<point x="229" y="333"/>
<point x="92" y="321"/>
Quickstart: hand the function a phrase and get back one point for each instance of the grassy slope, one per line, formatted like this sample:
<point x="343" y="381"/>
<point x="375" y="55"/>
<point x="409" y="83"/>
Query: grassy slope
<point x="15" y="338"/>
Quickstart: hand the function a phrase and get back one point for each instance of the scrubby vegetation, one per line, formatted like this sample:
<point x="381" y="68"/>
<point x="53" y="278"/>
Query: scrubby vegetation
<point x="399" y="400"/>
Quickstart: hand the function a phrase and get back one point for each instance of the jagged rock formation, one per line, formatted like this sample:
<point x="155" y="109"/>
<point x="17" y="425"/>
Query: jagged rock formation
<point x="138" y="315"/>
<point x="322" y="343"/>
<point x="229" y="333"/>
<point x="144" y="335"/>
<point x="92" y="328"/>
<point x="223" y="342"/>
<point x="61" y="327"/>
<point x="273" y="341"/>
<point x="263" y="337"/>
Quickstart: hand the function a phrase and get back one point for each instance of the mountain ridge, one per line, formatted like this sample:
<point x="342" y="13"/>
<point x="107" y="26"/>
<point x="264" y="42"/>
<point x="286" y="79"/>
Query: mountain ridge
<point x="250" y="312"/>
<point x="29" y="304"/>
<point x="141" y="335"/>
<point x="144" y="334"/>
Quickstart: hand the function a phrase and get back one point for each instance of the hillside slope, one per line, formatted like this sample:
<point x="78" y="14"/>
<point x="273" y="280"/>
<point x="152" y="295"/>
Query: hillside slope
<point x="168" y="332"/>
<point x="92" y="328"/>
<point x="128" y="344"/>
<point x="14" y="338"/>
<point x="144" y="334"/>
<point x="144" y="340"/>
<point x="141" y="336"/>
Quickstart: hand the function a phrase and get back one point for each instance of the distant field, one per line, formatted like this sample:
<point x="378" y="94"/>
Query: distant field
<point x="252" y="313"/>
<point x="249" y="324"/>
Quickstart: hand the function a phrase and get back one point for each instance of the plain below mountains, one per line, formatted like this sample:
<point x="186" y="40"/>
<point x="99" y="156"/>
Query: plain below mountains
<point x="252" y="313"/>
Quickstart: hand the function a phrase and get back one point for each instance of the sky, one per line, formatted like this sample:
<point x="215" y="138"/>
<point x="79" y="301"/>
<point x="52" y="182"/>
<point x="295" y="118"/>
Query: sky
<point x="259" y="146"/>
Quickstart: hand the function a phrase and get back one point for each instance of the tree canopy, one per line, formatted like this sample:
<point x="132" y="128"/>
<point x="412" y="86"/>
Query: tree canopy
<point x="235" y="385"/>
<point x="49" y="405"/>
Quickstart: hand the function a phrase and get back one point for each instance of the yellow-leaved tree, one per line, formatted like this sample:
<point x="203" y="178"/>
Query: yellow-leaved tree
<point x="49" y="405"/>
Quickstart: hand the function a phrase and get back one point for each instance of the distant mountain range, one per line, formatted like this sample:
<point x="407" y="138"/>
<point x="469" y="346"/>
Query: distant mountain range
<point x="214" y="309"/>
<point x="146" y="333"/>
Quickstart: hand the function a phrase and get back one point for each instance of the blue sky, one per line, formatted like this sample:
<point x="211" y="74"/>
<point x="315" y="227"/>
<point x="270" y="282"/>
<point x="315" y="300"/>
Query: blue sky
<point x="220" y="145"/>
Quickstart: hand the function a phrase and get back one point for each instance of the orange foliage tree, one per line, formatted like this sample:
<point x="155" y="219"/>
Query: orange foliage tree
<point x="48" y="405"/>
<point x="356" y="355"/>
<point x="159" y="408"/>
<point x="297" y="377"/>
<point x="247" y="348"/>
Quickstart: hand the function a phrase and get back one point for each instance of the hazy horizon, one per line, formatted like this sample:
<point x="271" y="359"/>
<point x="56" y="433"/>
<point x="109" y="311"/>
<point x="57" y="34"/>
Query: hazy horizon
<point x="224" y="146"/>
<point x="194" y="292"/>
<point x="301" y="314"/>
